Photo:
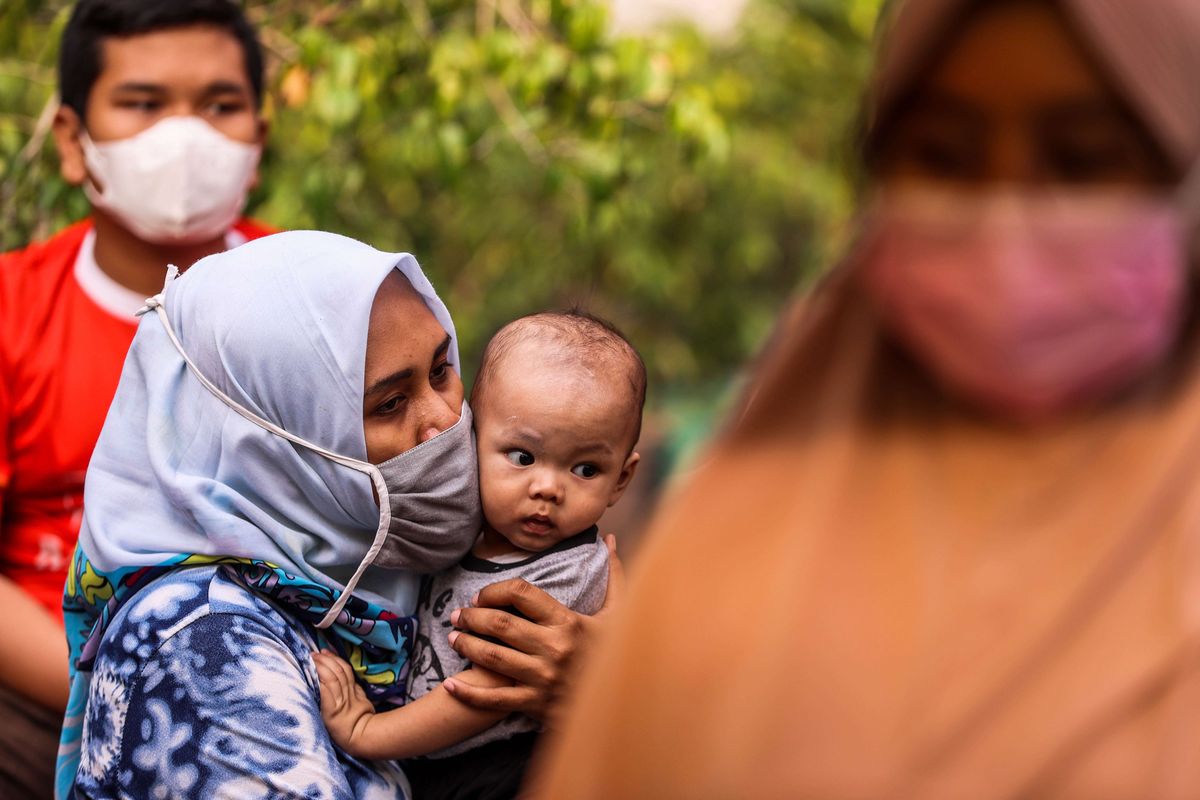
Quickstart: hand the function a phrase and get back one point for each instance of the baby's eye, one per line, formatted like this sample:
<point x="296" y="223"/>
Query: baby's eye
<point x="585" y="470"/>
<point x="519" y="458"/>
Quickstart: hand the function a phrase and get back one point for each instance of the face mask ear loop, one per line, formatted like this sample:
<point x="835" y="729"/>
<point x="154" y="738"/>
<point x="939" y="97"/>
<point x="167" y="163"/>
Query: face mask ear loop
<point x="91" y="159"/>
<point x="385" y="522"/>
<point x="370" y="470"/>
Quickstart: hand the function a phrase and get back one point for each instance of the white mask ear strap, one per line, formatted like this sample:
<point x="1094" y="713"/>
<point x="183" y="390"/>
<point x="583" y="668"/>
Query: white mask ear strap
<point x="370" y="470"/>
<point x="93" y="161"/>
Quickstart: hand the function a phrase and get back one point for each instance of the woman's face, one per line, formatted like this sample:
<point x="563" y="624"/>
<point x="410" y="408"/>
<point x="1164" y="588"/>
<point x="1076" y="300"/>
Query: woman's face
<point x="1015" y="99"/>
<point x="411" y="392"/>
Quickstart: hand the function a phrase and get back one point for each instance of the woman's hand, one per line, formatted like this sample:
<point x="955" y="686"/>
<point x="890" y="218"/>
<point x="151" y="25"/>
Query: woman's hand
<point x="545" y="651"/>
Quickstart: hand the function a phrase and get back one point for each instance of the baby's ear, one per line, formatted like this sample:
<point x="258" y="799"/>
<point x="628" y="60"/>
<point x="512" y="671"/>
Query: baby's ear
<point x="627" y="471"/>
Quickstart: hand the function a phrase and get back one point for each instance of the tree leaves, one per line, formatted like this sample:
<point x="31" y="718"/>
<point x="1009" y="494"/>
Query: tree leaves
<point x="530" y="159"/>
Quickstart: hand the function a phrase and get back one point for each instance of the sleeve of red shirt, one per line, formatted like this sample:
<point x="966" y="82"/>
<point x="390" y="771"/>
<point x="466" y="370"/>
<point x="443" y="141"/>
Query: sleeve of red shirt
<point x="6" y="264"/>
<point x="5" y="414"/>
<point x="254" y="229"/>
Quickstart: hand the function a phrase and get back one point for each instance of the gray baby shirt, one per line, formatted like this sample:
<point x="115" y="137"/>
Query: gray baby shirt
<point x="574" y="572"/>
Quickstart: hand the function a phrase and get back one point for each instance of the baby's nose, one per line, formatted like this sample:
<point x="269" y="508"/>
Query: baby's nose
<point x="545" y="487"/>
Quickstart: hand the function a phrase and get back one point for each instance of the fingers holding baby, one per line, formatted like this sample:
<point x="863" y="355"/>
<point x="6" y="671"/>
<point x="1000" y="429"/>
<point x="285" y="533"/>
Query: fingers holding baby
<point x="521" y="630"/>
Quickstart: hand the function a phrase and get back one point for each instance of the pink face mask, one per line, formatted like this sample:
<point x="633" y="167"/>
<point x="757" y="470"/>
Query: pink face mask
<point x="1027" y="302"/>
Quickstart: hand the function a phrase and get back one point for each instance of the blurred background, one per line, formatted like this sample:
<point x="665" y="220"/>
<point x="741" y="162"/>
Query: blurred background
<point x="678" y="167"/>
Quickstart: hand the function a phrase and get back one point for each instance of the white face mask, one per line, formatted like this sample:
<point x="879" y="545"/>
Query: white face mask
<point x="180" y="181"/>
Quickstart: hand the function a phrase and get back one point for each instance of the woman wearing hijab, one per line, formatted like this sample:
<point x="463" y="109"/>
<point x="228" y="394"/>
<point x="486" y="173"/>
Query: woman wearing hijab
<point x="951" y="547"/>
<point x="290" y="415"/>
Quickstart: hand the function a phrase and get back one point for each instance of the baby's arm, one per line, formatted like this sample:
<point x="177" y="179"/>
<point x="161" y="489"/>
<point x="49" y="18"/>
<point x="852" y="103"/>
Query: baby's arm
<point x="431" y="723"/>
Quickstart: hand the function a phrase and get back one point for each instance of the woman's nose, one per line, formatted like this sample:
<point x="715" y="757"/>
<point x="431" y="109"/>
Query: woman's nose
<point x="440" y="417"/>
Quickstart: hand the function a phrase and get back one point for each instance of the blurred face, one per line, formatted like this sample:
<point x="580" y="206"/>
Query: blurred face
<point x="553" y="447"/>
<point x="1030" y="303"/>
<point x="411" y="392"/>
<point x="1016" y="100"/>
<point x="197" y="70"/>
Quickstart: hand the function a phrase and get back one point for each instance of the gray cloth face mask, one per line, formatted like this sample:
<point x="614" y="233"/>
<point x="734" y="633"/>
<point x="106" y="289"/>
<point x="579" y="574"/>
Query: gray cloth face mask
<point x="433" y="492"/>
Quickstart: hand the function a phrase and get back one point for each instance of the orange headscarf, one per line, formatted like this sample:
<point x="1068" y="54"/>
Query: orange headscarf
<point x="868" y="592"/>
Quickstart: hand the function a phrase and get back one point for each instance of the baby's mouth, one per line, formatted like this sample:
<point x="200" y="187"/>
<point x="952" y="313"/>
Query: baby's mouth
<point x="537" y="523"/>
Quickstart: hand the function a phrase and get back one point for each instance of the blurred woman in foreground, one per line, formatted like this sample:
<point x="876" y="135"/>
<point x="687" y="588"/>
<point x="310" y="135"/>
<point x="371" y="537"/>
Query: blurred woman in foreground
<point x="951" y="548"/>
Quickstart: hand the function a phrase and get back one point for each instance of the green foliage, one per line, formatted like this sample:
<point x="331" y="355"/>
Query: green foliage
<point x="33" y="201"/>
<point x="529" y="159"/>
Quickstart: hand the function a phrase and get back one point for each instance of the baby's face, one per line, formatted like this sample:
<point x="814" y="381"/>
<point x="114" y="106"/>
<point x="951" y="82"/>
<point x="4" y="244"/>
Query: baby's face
<point x="553" y="445"/>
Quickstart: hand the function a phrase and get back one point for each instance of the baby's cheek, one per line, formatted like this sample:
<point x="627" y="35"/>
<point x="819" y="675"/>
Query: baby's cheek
<point x="496" y="490"/>
<point x="593" y="504"/>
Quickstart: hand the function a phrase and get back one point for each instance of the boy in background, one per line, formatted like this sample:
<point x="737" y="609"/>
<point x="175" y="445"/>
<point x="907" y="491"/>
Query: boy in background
<point x="160" y="124"/>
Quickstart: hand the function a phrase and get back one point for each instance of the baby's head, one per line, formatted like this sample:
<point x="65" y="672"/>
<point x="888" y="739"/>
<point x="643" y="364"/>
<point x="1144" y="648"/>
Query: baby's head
<point x="558" y="410"/>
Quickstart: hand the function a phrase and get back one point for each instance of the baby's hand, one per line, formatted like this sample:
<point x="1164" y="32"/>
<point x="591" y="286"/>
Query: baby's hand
<point x="344" y="705"/>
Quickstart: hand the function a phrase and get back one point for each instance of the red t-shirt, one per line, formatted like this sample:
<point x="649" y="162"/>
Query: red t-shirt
<point x="61" y="355"/>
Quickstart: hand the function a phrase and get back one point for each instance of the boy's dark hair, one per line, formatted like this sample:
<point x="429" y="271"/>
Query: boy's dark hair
<point x="93" y="21"/>
<point x="594" y="336"/>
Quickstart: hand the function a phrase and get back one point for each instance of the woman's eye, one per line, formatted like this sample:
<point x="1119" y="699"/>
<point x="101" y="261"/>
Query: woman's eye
<point x="932" y="146"/>
<point x="585" y="470"/>
<point x="440" y="372"/>
<point x="519" y="458"/>
<point x="390" y="406"/>
<point x="1088" y="164"/>
<point x="942" y="159"/>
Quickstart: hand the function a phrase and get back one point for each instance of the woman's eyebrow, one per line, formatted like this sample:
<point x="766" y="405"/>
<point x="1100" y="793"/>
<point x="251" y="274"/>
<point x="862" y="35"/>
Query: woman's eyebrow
<point x="386" y="382"/>
<point x="1082" y="112"/>
<point x="942" y="107"/>
<point x="442" y="348"/>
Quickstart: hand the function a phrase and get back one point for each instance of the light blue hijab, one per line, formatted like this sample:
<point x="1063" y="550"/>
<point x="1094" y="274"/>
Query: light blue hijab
<point x="280" y="326"/>
<point x="181" y="479"/>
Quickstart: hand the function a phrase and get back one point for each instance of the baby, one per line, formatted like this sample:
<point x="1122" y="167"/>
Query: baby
<point x="558" y="409"/>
